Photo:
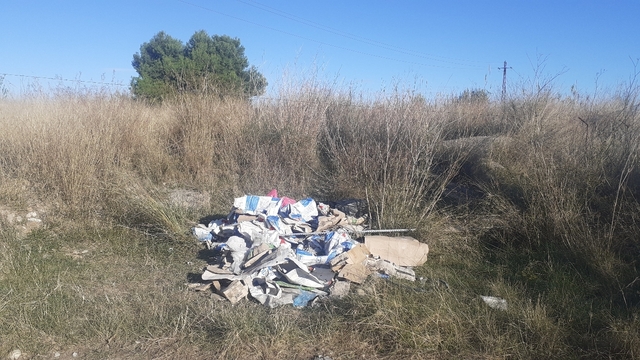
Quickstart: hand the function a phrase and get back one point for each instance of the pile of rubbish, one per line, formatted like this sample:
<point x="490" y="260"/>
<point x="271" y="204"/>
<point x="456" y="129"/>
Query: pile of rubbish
<point x="282" y="251"/>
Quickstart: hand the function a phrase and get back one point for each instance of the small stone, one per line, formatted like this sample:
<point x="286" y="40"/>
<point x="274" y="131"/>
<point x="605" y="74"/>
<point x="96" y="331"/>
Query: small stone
<point x="75" y="354"/>
<point x="56" y="355"/>
<point x="15" y="354"/>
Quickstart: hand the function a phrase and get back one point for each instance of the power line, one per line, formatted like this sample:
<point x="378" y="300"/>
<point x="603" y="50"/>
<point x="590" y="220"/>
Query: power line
<point x="354" y="37"/>
<point x="317" y="41"/>
<point x="63" y="79"/>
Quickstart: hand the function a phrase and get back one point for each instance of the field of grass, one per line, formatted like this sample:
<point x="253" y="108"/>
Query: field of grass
<point x="535" y="199"/>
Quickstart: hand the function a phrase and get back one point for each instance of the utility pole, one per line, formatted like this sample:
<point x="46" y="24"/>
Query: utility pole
<point x="504" y="79"/>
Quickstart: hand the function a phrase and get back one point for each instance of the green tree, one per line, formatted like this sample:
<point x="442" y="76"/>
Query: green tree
<point x="209" y="64"/>
<point x="473" y="96"/>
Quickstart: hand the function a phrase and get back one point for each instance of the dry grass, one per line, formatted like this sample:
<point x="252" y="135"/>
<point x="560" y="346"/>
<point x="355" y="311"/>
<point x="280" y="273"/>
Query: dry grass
<point x="548" y="221"/>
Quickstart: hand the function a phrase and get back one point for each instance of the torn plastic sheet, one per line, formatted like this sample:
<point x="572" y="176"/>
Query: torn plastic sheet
<point x="303" y="299"/>
<point x="253" y="205"/>
<point x="390" y="269"/>
<point x="268" y="293"/>
<point x="280" y="256"/>
<point x="323" y="273"/>
<point x="239" y="249"/>
<point x="350" y="207"/>
<point x="258" y="233"/>
<point x="304" y="210"/>
<point x="297" y="273"/>
<point x="278" y="225"/>
<point x="310" y="259"/>
<point x="202" y="233"/>
<point x="214" y="228"/>
<point x="337" y="242"/>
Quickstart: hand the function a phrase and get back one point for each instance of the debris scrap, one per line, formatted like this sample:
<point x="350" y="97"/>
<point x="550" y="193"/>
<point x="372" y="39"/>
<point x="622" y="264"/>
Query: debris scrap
<point x="281" y="251"/>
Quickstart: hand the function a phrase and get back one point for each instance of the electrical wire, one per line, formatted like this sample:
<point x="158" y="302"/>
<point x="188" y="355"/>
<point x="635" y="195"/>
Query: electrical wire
<point x="322" y="42"/>
<point x="63" y="79"/>
<point x="355" y="37"/>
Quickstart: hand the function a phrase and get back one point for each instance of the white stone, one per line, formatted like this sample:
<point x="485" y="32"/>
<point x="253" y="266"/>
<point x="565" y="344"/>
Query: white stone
<point x="15" y="354"/>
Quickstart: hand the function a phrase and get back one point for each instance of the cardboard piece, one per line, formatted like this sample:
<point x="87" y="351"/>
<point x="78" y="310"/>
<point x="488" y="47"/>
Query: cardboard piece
<point x="356" y="273"/>
<point x="357" y="255"/>
<point x="256" y="254"/>
<point x="323" y="273"/>
<point x="243" y="218"/>
<point x="330" y="221"/>
<point x="236" y="291"/>
<point x="402" y="251"/>
<point x="350" y="265"/>
<point x="218" y="270"/>
<point x="208" y="275"/>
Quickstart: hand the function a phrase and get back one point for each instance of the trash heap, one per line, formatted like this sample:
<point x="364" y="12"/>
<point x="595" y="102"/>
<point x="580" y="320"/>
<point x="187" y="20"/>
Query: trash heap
<point x="282" y="251"/>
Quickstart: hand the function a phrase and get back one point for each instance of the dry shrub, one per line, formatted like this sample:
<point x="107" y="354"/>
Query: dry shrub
<point x="386" y="152"/>
<point x="625" y="335"/>
<point x="572" y="170"/>
<point x="205" y="134"/>
<point x="475" y="118"/>
<point x="574" y="180"/>
<point x="279" y="145"/>
<point x="69" y="147"/>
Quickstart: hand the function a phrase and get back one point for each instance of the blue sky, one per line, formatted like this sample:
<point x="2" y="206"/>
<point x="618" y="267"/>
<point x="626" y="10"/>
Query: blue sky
<point x="439" y="47"/>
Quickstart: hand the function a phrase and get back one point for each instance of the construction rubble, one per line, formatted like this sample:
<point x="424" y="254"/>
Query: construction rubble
<point x="281" y="251"/>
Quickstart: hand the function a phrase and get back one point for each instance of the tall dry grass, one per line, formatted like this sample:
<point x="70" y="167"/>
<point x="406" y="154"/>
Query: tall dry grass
<point x="387" y="152"/>
<point x="550" y="224"/>
<point x="80" y="151"/>
<point x="69" y="149"/>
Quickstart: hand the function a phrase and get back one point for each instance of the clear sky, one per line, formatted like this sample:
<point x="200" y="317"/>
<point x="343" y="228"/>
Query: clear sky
<point x="438" y="47"/>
